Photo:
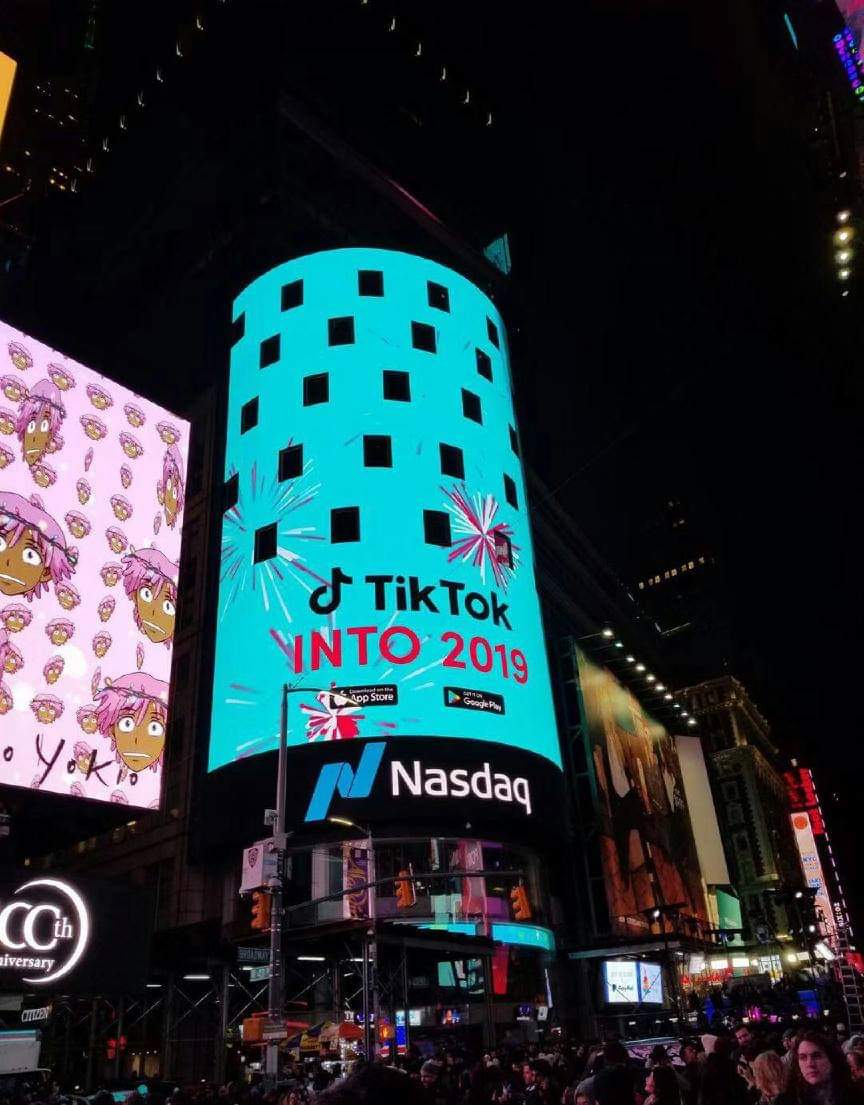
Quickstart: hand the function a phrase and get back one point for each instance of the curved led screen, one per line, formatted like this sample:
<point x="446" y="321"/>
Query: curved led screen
<point x="376" y="550"/>
<point x="92" y="482"/>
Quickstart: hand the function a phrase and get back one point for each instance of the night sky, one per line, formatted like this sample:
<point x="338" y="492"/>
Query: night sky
<point x="669" y="229"/>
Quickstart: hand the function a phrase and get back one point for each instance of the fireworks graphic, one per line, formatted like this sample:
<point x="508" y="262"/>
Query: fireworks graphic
<point x="262" y="502"/>
<point x="487" y="543"/>
<point x="333" y="719"/>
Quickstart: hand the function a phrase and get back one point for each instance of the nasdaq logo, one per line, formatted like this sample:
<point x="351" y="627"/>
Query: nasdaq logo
<point x="341" y="778"/>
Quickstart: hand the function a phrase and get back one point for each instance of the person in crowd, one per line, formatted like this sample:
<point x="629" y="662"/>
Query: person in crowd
<point x="788" y="1040"/>
<point x="613" y="1055"/>
<point x="432" y="1081"/>
<point x="855" y="1059"/>
<point x="818" y="1076"/>
<point x="856" y="1040"/>
<point x="374" y="1084"/>
<point x="662" y="1086"/>
<point x="748" y="1043"/>
<point x="720" y="1083"/>
<point x="770" y="1075"/>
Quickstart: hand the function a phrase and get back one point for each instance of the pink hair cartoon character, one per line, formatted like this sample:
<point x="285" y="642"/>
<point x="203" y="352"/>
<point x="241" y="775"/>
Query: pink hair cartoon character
<point x="6" y="457"/>
<point x="13" y="388"/>
<point x="46" y="708"/>
<point x="43" y="474"/>
<point x="33" y="549"/>
<point x="67" y="596"/>
<point x="7" y="421"/>
<point x="105" y="608"/>
<point x="169" y="434"/>
<point x="53" y="669"/>
<point x="122" y="507"/>
<point x="86" y="718"/>
<point x="133" y="712"/>
<point x="99" y="397"/>
<point x="101" y="644"/>
<point x="59" y="630"/>
<point x="14" y="661"/>
<point x="60" y="376"/>
<point x="134" y="416"/>
<point x="78" y="523"/>
<point x="94" y="428"/>
<point x="125" y="475"/>
<point x="150" y="581"/>
<point x="15" y="617"/>
<point x="171" y="489"/>
<point x="110" y="573"/>
<point x="83" y="489"/>
<point x="40" y="416"/>
<point x="20" y="356"/>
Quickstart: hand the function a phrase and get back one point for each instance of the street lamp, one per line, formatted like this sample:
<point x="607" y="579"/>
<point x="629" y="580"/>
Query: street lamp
<point x="370" y="930"/>
<point x="276" y="984"/>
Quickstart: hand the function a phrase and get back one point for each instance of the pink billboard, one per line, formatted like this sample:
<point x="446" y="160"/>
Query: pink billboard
<point x="92" y="482"/>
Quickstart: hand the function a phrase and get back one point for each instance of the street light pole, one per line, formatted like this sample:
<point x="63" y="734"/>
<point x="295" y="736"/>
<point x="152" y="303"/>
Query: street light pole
<point x="275" y="982"/>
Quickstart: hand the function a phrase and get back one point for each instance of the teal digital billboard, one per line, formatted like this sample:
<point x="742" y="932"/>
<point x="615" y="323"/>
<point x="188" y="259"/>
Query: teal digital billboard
<point x="376" y="550"/>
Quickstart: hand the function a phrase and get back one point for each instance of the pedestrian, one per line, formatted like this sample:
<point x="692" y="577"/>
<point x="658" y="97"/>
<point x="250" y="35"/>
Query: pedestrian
<point x="770" y="1076"/>
<point x="432" y="1082"/>
<point x="788" y="1038"/>
<point x="720" y="1083"/>
<point x="691" y="1053"/>
<point x="662" y="1087"/>
<point x="855" y="1059"/>
<point x="819" y="1075"/>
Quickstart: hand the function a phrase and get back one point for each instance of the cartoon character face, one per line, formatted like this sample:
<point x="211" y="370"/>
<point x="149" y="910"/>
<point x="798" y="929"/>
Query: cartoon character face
<point x="59" y="631"/>
<point x="169" y="434"/>
<point x="134" y="416"/>
<point x="105" y="608"/>
<point x="157" y="611"/>
<point x="19" y="356"/>
<point x="60" y="377"/>
<point x="22" y="563"/>
<point x="116" y="539"/>
<point x="170" y="494"/>
<point x="122" y="507"/>
<point x="110" y="574"/>
<point x="5" y="699"/>
<point x="43" y="474"/>
<point x="125" y="475"/>
<point x="6" y="456"/>
<point x="79" y="526"/>
<point x="53" y="669"/>
<point x="86" y="718"/>
<point x="140" y="744"/>
<point x="101" y="644"/>
<point x="13" y="388"/>
<point x="37" y="436"/>
<point x="83" y="489"/>
<point x="82" y="753"/>
<point x="7" y="421"/>
<point x="14" y="660"/>
<point x="15" y="617"/>
<point x="131" y="446"/>
<point x="46" y="708"/>
<point x="100" y="398"/>
<point x="67" y="596"/>
<point x="94" y="427"/>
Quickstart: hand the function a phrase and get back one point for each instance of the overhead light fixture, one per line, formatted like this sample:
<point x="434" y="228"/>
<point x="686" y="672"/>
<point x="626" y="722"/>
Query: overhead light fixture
<point x="668" y="697"/>
<point x="845" y="292"/>
<point x="154" y="985"/>
<point x="843" y="256"/>
<point x="630" y="659"/>
<point x="691" y="721"/>
<point x="844" y="274"/>
<point x="311" y="959"/>
<point x="196" y="978"/>
<point x="676" y="705"/>
<point x="619" y="644"/>
<point x="660" y="687"/>
<point x="608" y="632"/>
<point x="684" y="713"/>
<point x="649" y="678"/>
<point x="844" y="215"/>
<point x="640" y="667"/>
<point x="843" y="235"/>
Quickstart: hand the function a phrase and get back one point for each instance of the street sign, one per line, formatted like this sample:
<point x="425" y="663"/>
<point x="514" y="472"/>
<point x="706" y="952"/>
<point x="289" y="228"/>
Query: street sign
<point x="274" y="1030"/>
<point x="374" y="694"/>
<point x="246" y="954"/>
<point x="259" y="974"/>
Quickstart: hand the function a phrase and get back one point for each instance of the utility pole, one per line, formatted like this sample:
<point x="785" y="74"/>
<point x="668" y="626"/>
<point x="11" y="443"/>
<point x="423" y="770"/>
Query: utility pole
<point x="275" y="983"/>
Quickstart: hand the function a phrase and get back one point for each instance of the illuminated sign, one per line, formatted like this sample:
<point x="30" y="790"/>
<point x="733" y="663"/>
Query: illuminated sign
<point x="844" y="44"/>
<point x="627" y="982"/>
<point x="814" y="875"/>
<point x="91" y="502"/>
<point x="61" y="935"/>
<point x="376" y="532"/>
<point x="8" y="67"/>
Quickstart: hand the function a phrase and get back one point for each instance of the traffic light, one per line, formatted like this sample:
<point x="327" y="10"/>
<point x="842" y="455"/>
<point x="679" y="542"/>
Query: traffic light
<point x="520" y="903"/>
<point x="406" y="895"/>
<point x="261" y="911"/>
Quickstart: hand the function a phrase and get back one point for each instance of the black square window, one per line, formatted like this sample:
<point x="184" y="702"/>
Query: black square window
<point x="370" y="282"/>
<point x="423" y="337"/>
<point x="377" y="451"/>
<point x="249" y="415"/>
<point x="484" y="364"/>
<point x="265" y="543"/>
<point x="345" y="524"/>
<point x="452" y="461"/>
<point x="290" y="462"/>
<point x="438" y="296"/>
<point x="397" y="385"/>
<point x="471" y="406"/>
<point x="510" y="492"/>
<point x="436" y="527"/>
<point x="492" y="331"/>
<point x="316" y="389"/>
<point x="340" y="331"/>
<point x="238" y="328"/>
<point x="231" y="492"/>
<point x="514" y="441"/>
<point x="270" y="351"/>
<point x="292" y="295"/>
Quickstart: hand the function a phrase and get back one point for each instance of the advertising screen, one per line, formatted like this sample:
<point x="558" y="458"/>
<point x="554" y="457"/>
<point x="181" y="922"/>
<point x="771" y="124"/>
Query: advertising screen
<point x="814" y="873"/>
<point x="646" y="839"/>
<point x="651" y="983"/>
<point x="92" y="482"/>
<point x="376" y="549"/>
<point x="620" y="981"/>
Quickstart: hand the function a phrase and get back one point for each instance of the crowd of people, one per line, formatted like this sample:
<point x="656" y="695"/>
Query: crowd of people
<point x="747" y="1067"/>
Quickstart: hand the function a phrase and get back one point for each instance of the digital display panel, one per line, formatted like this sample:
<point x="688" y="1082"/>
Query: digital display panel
<point x="651" y="983"/>
<point x="376" y="550"/>
<point x="620" y="982"/>
<point x="92" y="481"/>
<point x="646" y="838"/>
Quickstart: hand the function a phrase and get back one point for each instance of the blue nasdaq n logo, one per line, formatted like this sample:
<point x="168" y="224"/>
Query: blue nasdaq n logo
<point x="344" y="779"/>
